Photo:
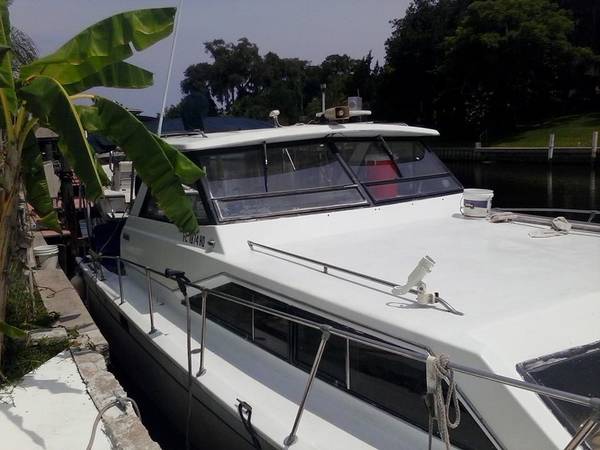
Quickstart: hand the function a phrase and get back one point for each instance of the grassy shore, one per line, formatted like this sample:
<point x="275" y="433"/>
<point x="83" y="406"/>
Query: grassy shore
<point x="27" y="312"/>
<point x="570" y="131"/>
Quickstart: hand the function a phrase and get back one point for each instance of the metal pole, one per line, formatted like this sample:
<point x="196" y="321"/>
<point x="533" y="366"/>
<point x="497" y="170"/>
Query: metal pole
<point x="594" y="145"/>
<point x="551" y="147"/>
<point x="120" y="280"/>
<point x="170" y="69"/>
<point x="188" y="330"/>
<point x="313" y="371"/>
<point x="150" y="308"/>
<point x="587" y="428"/>
<point x="202" y="370"/>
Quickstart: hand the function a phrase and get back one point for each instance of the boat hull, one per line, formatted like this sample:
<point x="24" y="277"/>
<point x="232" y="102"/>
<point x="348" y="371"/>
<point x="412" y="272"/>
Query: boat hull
<point x="163" y="382"/>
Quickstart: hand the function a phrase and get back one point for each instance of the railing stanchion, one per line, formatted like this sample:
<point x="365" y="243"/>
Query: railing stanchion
<point x="201" y="369"/>
<point x="313" y="371"/>
<point x="120" y="280"/>
<point x="150" y="306"/>
<point x="587" y="428"/>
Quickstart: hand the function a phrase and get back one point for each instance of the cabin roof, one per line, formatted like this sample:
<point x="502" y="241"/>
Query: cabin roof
<point x="296" y="132"/>
<point x="521" y="297"/>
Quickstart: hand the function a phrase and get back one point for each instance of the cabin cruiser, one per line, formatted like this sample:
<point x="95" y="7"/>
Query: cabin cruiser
<point x="331" y="271"/>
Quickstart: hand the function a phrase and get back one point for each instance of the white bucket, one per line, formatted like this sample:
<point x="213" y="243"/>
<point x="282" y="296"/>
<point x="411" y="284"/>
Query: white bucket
<point x="46" y="256"/>
<point x="476" y="202"/>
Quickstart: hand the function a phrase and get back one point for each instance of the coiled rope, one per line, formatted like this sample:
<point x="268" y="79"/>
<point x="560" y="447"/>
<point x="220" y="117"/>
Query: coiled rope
<point x="119" y="401"/>
<point x="438" y="370"/>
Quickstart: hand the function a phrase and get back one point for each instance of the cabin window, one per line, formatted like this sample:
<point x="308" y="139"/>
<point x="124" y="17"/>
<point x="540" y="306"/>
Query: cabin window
<point x="333" y="363"/>
<point x="390" y="382"/>
<point x="396" y="169"/>
<point x="277" y="179"/>
<point x="151" y="210"/>
<point x="577" y="371"/>
<point x="397" y="384"/>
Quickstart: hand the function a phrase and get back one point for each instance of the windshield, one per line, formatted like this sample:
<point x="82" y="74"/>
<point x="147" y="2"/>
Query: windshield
<point x="577" y="371"/>
<point x="266" y="180"/>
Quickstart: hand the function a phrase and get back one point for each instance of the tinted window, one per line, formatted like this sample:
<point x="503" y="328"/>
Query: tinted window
<point x="398" y="385"/>
<point x="270" y="332"/>
<point x="369" y="160"/>
<point x="576" y="371"/>
<point x="151" y="210"/>
<point x="232" y="315"/>
<point x="293" y="203"/>
<point x="412" y="188"/>
<point x="333" y="363"/>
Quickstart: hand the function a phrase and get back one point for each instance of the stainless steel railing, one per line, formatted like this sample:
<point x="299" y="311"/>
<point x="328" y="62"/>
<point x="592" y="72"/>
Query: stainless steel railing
<point x="590" y="426"/>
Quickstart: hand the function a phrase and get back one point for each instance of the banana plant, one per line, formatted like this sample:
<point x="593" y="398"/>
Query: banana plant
<point x="53" y="92"/>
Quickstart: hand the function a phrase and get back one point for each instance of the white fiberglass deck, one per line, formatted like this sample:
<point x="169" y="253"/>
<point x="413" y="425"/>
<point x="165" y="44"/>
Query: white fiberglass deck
<point x="521" y="297"/>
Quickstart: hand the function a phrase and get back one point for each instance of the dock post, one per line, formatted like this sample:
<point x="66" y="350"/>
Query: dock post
<point x="594" y="145"/>
<point x="551" y="147"/>
<point x="150" y="307"/>
<point x="325" y="333"/>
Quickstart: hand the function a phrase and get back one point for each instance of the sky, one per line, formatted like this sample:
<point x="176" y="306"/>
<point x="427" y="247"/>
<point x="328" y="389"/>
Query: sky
<point x="305" y="29"/>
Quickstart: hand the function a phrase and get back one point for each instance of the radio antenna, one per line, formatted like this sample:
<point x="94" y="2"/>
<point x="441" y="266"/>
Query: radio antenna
<point x="174" y="43"/>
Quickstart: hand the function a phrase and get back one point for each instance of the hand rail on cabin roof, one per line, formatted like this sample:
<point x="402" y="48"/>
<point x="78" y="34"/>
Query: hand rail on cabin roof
<point x="589" y="426"/>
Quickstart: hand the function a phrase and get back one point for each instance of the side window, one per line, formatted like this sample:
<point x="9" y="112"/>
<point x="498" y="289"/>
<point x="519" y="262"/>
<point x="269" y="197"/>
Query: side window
<point x="388" y="381"/>
<point x="398" y="385"/>
<point x="151" y="210"/>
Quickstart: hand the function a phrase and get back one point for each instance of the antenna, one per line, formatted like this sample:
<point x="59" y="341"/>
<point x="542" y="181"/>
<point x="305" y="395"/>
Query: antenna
<point x="164" y="100"/>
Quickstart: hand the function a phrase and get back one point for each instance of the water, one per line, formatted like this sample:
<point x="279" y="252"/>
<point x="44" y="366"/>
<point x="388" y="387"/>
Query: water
<point x="533" y="185"/>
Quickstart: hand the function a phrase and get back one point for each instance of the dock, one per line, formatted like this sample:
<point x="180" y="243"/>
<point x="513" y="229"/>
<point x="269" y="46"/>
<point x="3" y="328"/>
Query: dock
<point x="55" y="406"/>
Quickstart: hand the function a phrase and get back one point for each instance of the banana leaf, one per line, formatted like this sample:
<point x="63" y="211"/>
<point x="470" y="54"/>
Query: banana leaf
<point x="117" y="75"/>
<point x="49" y="103"/>
<point x="7" y="83"/>
<point x="11" y="332"/>
<point x="103" y="44"/>
<point x="36" y="185"/>
<point x="159" y="165"/>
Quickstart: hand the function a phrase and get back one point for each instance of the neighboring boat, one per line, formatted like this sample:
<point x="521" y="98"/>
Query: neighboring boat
<point x="302" y="229"/>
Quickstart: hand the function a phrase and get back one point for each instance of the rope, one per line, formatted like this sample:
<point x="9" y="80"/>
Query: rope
<point x="559" y="227"/>
<point x="119" y="401"/>
<point x="245" y="412"/>
<point x="438" y="370"/>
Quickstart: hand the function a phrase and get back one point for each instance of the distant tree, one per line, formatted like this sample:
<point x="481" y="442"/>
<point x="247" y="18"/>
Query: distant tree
<point x="410" y="82"/>
<point x="510" y="61"/>
<point x="242" y="82"/>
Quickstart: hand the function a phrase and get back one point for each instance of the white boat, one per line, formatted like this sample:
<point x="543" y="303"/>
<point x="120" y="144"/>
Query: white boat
<point x="308" y="236"/>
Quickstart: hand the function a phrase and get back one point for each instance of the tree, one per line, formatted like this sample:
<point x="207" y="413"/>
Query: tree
<point x="511" y="61"/>
<point x="242" y="82"/>
<point x="45" y="93"/>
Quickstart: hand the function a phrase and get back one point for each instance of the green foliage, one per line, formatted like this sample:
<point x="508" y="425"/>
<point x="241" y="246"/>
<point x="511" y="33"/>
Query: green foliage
<point x="25" y="311"/>
<point x="242" y="82"/>
<point x="48" y="101"/>
<point x="163" y="167"/>
<point x="92" y="58"/>
<point x="479" y="68"/>
<point x="103" y="44"/>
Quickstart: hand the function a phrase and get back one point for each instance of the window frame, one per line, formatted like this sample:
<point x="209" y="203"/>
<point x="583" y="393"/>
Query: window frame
<point x="360" y="187"/>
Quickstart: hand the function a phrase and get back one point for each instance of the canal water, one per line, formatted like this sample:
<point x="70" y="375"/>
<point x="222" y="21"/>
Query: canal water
<point x="533" y="185"/>
<point x="518" y="185"/>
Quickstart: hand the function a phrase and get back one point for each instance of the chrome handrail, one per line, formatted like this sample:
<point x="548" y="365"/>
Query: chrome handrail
<point x="326" y="267"/>
<point x="592" y="403"/>
<point x="592" y="213"/>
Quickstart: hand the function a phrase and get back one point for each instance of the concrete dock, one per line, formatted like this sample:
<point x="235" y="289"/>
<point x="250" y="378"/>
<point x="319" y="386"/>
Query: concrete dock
<point x="54" y="407"/>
